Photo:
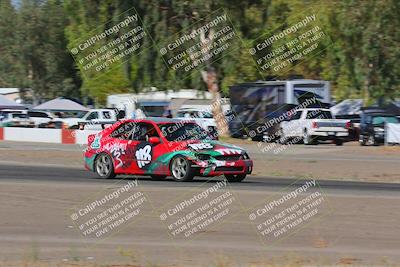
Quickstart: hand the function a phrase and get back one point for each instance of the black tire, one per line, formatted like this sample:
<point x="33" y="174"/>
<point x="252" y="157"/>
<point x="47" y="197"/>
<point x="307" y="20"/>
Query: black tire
<point x="362" y="141"/>
<point x="236" y="135"/>
<point x="104" y="167"/>
<point x="308" y="139"/>
<point x="235" y="178"/>
<point x="181" y="170"/>
<point x="339" y="142"/>
<point x="283" y="140"/>
<point x="371" y="141"/>
<point x="257" y="138"/>
<point x="158" y="177"/>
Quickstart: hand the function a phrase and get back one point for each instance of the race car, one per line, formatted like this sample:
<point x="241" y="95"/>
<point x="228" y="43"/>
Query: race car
<point x="161" y="147"/>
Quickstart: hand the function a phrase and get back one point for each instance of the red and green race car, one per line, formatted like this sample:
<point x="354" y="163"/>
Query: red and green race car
<point x="161" y="147"/>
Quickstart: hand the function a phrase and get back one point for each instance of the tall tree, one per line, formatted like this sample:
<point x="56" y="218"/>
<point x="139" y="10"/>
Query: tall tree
<point x="9" y="67"/>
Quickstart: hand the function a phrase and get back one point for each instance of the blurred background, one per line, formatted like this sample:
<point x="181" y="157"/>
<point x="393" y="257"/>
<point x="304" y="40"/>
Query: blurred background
<point x="361" y="63"/>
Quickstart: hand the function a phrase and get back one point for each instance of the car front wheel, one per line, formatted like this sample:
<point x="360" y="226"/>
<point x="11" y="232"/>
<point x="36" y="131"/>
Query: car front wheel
<point x="181" y="170"/>
<point x="104" y="166"/>
<point x="235" y="178"/>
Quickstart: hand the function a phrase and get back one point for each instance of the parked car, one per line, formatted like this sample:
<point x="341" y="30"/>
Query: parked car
<point x="15" y="120"/>
<point x="313" y="125"/>
<point x="203" y="118"/>
<point x="93" y="119"/>
<point x="161" y="147"/>
<point x="40" y="118"/>
<point x="372" y="126"/>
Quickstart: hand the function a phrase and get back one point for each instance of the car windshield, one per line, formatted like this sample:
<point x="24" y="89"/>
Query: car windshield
<point x="20" y="116"/>
<point x="207" y="115"/>
<point x="384" y="119"/>
<point x="183" y="131"/>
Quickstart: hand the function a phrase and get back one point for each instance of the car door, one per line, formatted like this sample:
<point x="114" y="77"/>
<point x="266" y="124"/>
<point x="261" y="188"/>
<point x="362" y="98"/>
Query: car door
<point x="121" y="146"/>
<point x="148" y="148"/>
<point x="292" y="126"/>
<point x="93" y="116"/>
<point x="133" y="150"/>
<point x="107" y="116"/>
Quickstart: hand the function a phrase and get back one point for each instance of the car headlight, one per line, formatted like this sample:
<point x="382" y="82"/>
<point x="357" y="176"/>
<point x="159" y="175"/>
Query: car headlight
<point x="203" y="156"/>
<point x="377" y="129"/>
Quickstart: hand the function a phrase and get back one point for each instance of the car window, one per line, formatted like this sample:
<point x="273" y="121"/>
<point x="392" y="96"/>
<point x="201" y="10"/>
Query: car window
<point x="180" y="114"/>
<point x="19" y="116"/>
<point x="144" y="132"/>
<point x="207" y="115"/>
<point x="37" y="114"/>
<point x="125" y="131"/>
<point x="319" y="114"/>
<point x="384" y="119"/>
<point x="183" y="131"/>
<point x="92" y="116"/>
<point x="107" y="115"/>
<point x="135" y="131"/>
<point x="296" y="116"/>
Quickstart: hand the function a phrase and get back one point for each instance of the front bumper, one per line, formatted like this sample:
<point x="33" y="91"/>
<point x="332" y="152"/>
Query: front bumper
<point x="215" y="168"/>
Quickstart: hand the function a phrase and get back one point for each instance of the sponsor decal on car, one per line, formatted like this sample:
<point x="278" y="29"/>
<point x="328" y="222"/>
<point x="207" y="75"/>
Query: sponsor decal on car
<point x="229" y="151"/>
<point x="143" y="156"/>
<point x="96" y="142"/>
<point x="201" y="146"/>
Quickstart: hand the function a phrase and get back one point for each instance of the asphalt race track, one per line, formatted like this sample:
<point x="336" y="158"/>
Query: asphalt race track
<point x="41" y="185"/>
<point x="36" y="200"/>
<point x="63" y="174"/>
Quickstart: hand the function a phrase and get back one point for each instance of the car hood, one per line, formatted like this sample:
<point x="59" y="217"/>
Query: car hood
<point x="207" y="147"/>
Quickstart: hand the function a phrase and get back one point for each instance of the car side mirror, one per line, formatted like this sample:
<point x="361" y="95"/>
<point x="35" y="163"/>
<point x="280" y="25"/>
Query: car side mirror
<point x="154" y="140"/>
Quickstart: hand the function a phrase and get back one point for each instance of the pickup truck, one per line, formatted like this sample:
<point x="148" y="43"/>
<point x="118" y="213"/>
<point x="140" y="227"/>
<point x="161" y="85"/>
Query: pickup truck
<point x="90" y="120"/>
<point x="202" y="117"/>
<point x="312" y="125"/>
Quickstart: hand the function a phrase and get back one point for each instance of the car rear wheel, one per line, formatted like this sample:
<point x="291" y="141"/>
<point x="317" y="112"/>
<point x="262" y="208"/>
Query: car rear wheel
<point x="104" y="166"/>
<point x="371" y="141"/>
<point x="283" y="139"/>
<point x="339" y="142"/>
<point x="181" y="170"/>
<point x="307" y="139"/>
<point x="362" y="140"/>
<point x="235" y="178"/>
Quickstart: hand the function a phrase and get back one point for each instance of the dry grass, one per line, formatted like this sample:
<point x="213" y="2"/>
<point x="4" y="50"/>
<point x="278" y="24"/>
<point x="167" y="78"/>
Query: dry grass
<point x="219" y="262"/>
